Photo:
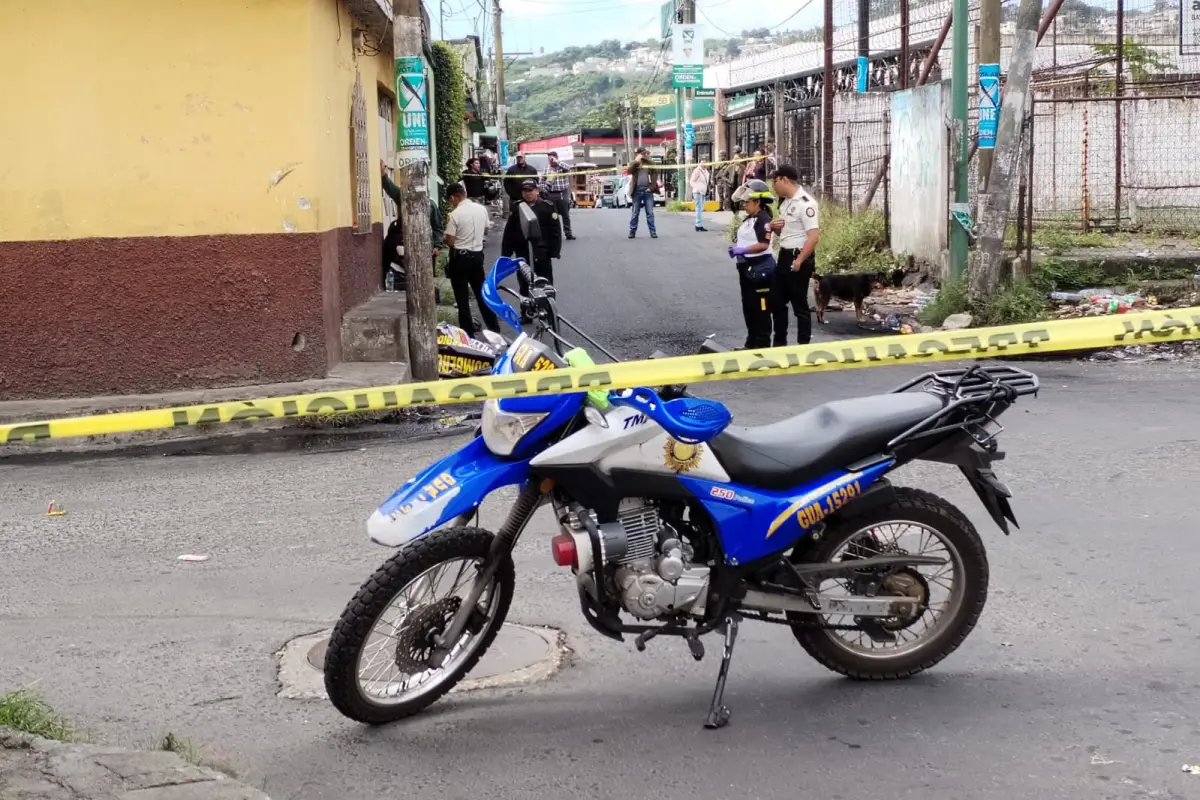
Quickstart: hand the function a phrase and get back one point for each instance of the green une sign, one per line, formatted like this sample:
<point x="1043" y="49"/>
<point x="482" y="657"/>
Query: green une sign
<point x="412" y="92"/>
<point x="687" y="77"/>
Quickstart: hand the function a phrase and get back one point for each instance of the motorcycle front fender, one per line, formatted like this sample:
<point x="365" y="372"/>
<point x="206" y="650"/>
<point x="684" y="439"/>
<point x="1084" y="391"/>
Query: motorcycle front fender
<point x="453" y="486"/>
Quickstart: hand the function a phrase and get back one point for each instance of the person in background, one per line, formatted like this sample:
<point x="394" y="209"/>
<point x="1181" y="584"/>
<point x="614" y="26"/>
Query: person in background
<point x="558" y="192"/>
<point x="465" y="229"/>
<point x="728" y="177"/>
<point x="798" y="230"/>
<point x="517" y="174"/>
<point x="474" y="182"/>
<point x="394" y="237"/>
<point x="755" y="264"/>
<point x="756" y="170"/>
<point x="772" y="160"/>
<point x="515" y="245"/>
<point x="699" y="182"/>
<point x="641" y="193"/>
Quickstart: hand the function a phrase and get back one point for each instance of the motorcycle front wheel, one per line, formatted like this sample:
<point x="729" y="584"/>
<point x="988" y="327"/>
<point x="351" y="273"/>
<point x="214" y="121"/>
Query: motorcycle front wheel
<point x="376" y="668"/>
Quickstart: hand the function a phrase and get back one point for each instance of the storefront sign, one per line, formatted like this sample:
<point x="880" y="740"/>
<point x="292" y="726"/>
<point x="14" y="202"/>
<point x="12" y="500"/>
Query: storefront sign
<point x="1189" y="27"/>
<point x="737" y="105"/>
<point x="655" y="100"/>
<point x="412" y="130"/>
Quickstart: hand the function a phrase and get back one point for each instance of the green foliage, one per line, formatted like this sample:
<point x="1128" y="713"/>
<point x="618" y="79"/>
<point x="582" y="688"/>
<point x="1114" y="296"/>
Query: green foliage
<point x="853" y="242"/>
<point x="548" y="105"/>
<point x="675" y="206"/>
<point x="28" y="713"/>
<point x="1058" y="240"/>
<point x="450" y="107"/>
<point x="1014" y="303"/>
<point x="1140" y="61"/>
<point x="952" y="298"/>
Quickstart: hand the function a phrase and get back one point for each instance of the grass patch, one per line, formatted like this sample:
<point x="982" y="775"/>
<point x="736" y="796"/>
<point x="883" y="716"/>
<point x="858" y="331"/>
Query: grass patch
<point x="1057" y="240"/>
<point x="1019" y="301"/>
<point x="26" y="712"/>
<point x="952" y="298"/>
<point x="187" y="750"/>
<point x="853" y="242"/>
<point x="676" y="206"/>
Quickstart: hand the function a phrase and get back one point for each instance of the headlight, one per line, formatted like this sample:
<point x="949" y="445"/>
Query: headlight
<point x="503" y="430"/>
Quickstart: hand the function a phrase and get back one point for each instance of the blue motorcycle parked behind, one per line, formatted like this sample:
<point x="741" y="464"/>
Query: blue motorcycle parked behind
<point x="675" y="523"/>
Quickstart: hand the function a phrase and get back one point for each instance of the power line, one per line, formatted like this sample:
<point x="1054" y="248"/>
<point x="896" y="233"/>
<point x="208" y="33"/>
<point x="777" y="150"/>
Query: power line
<point x="715" y="25"/>
<point x="790" y="16"/>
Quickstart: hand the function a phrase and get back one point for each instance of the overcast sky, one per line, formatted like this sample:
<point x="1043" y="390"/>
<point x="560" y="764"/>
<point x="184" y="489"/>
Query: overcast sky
<point x="534" y="25"/>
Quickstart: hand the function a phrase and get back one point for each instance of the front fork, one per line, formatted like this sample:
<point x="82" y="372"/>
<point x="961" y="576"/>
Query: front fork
<point x="468" y="614"/>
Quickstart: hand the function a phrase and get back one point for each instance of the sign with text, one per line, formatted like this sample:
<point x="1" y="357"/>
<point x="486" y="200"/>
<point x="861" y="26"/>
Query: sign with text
<point x="655" y="100"/>
<point x="860" y="78"/>
<point x="687" y="77"/>
<point x="989" y="105"/>
<point x="1189" y="27"/>
<point x="412" y="129"/>
<point x="704" y="93"/>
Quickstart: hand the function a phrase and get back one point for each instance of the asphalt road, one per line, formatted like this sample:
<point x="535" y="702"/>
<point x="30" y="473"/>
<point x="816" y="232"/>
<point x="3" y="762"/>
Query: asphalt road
<point x="1080" y="681"/>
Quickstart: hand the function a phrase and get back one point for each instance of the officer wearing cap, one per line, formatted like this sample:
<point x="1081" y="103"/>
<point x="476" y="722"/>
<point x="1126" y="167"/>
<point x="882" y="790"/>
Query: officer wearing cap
<point x="514" y="243"/>
<point x="755" y="264"/>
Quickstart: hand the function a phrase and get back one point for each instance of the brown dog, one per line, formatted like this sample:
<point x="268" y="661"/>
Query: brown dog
<point x="853" y="287"/>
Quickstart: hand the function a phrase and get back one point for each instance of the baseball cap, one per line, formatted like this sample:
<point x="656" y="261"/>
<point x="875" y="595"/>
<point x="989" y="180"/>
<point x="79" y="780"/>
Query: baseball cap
<point x="529" y="183"/>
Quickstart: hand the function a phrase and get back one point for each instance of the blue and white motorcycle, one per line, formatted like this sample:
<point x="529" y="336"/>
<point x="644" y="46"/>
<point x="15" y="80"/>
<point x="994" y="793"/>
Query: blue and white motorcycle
<point x="676" y="524"/>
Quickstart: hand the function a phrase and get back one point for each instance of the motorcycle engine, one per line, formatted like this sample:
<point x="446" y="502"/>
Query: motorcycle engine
<point x="648" y="564"/>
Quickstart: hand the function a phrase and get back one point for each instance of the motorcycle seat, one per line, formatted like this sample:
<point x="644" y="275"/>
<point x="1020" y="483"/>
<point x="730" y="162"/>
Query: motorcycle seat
<point x="785" y="454"/>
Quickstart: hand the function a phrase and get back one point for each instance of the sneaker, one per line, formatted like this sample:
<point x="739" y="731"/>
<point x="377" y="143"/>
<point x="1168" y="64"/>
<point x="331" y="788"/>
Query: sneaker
<point x="654" y="236"/>
<point x="634" y="233"/>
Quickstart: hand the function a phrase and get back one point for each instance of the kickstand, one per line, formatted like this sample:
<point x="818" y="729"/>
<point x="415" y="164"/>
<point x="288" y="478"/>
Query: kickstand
<point x="718" y="713"/>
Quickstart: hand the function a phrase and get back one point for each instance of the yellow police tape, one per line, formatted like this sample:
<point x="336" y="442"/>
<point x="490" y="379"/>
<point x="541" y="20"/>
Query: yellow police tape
<point x="918" y="348"/>
<point x="606" y="170"/>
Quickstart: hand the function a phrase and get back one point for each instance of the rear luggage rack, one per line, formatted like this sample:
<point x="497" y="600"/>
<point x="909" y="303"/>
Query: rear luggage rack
<point x="973" y="397"/>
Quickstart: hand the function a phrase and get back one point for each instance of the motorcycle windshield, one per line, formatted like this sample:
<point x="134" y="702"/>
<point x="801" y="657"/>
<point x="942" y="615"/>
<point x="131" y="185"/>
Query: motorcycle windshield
<point x="530" y="355"/>
<point x="504" y="268"/>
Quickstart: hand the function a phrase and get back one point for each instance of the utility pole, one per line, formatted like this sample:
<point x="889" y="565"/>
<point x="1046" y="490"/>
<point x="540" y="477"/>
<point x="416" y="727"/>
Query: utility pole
<point x="827" y="107"/>
<point x="688" y="9"/>
<point x="989" y="53"/>
<point x="412" y="164"/>
<point x="442" y="19"/>
<point x="994" y="207"/>
<point x="501" y="102"/>
<point x="959" y="140"/>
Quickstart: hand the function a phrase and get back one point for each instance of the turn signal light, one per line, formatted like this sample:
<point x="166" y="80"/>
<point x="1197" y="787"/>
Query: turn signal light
<point x="563" y="548"/>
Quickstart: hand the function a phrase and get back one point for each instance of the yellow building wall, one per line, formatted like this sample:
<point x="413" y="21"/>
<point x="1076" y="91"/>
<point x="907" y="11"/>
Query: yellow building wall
<point x="332" y="65"/>
<point x="178" y="117"/>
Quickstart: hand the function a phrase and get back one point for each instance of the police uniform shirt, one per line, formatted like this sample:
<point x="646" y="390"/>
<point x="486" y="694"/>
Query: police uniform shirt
<point x="467" y="224"/>
<point x="799" y="214"/>
<point x="754" y="231"/>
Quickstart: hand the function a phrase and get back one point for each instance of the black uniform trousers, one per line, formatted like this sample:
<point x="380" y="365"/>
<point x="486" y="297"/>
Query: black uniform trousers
<point x="791" y="289"/>
<point x="543" y="267"/>
<point x="562" y="204"/>
<point x="465" y="271"/>
<point x="756" y="308"/>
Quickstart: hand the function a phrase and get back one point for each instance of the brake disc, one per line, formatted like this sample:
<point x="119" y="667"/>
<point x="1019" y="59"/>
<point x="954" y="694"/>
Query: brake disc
<point x="415" y="644"/>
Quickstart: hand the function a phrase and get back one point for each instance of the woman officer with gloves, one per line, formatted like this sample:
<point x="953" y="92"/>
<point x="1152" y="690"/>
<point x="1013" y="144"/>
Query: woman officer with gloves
<point x="755" y="264"/>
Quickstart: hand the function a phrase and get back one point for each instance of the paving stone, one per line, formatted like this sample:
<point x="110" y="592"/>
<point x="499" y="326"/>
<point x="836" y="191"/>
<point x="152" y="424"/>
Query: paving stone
<point x="38" y="769"/>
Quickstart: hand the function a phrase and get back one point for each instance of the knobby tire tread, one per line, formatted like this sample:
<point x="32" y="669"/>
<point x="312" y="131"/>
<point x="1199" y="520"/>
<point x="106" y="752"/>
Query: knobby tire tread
<point x="975" y="566"/>
<point x="373" y="597"/>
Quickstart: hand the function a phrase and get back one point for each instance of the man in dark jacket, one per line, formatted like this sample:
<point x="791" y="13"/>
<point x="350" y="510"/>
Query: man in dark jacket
<point x="393" y="238"/>
<point x="516" y="177"/>
<point x="516" y="245"/>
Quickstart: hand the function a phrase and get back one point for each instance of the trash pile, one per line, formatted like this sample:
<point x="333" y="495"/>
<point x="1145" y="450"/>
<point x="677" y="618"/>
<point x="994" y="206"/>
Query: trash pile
<point x="1098" y="303"/>
<point x="1188" y="351"/>
<point x="901" y="306"/>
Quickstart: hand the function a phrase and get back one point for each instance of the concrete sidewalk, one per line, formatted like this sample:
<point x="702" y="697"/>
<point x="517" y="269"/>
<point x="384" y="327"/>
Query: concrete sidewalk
<point x="343" y="377"/>
<point x="32" y="768"/>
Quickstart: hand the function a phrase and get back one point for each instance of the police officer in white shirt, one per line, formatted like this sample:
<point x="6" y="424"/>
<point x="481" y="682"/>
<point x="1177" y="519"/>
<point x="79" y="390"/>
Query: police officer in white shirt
<point x="798" y="230"/>
<point x="465" y="229"/>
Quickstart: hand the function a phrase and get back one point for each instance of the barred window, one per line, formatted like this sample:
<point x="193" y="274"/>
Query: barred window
<point x="362" y="162"/>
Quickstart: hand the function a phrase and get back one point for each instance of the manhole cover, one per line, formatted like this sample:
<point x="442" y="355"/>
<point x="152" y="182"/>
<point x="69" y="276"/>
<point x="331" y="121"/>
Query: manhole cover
<point x="514" y="648"/>
<point x="519" y="656"/>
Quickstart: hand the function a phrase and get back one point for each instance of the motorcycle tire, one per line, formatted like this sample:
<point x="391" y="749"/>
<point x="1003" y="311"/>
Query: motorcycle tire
<point x="357" y="621"/>
<point x="930" y="511"/>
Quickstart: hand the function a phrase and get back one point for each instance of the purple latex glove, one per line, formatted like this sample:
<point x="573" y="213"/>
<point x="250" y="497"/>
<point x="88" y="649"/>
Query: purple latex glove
<point x="734" y="252"/>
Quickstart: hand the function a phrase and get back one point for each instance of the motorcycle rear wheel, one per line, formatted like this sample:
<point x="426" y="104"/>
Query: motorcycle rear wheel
<point x="408" y="567"/>
<point x="967" y="557"/>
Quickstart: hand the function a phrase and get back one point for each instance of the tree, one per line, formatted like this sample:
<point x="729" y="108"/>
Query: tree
<point x="1140" y="61"/>
<point x="450" y="107"/>
<point x="733" y="48"/>
<point x="520" y="130"/>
